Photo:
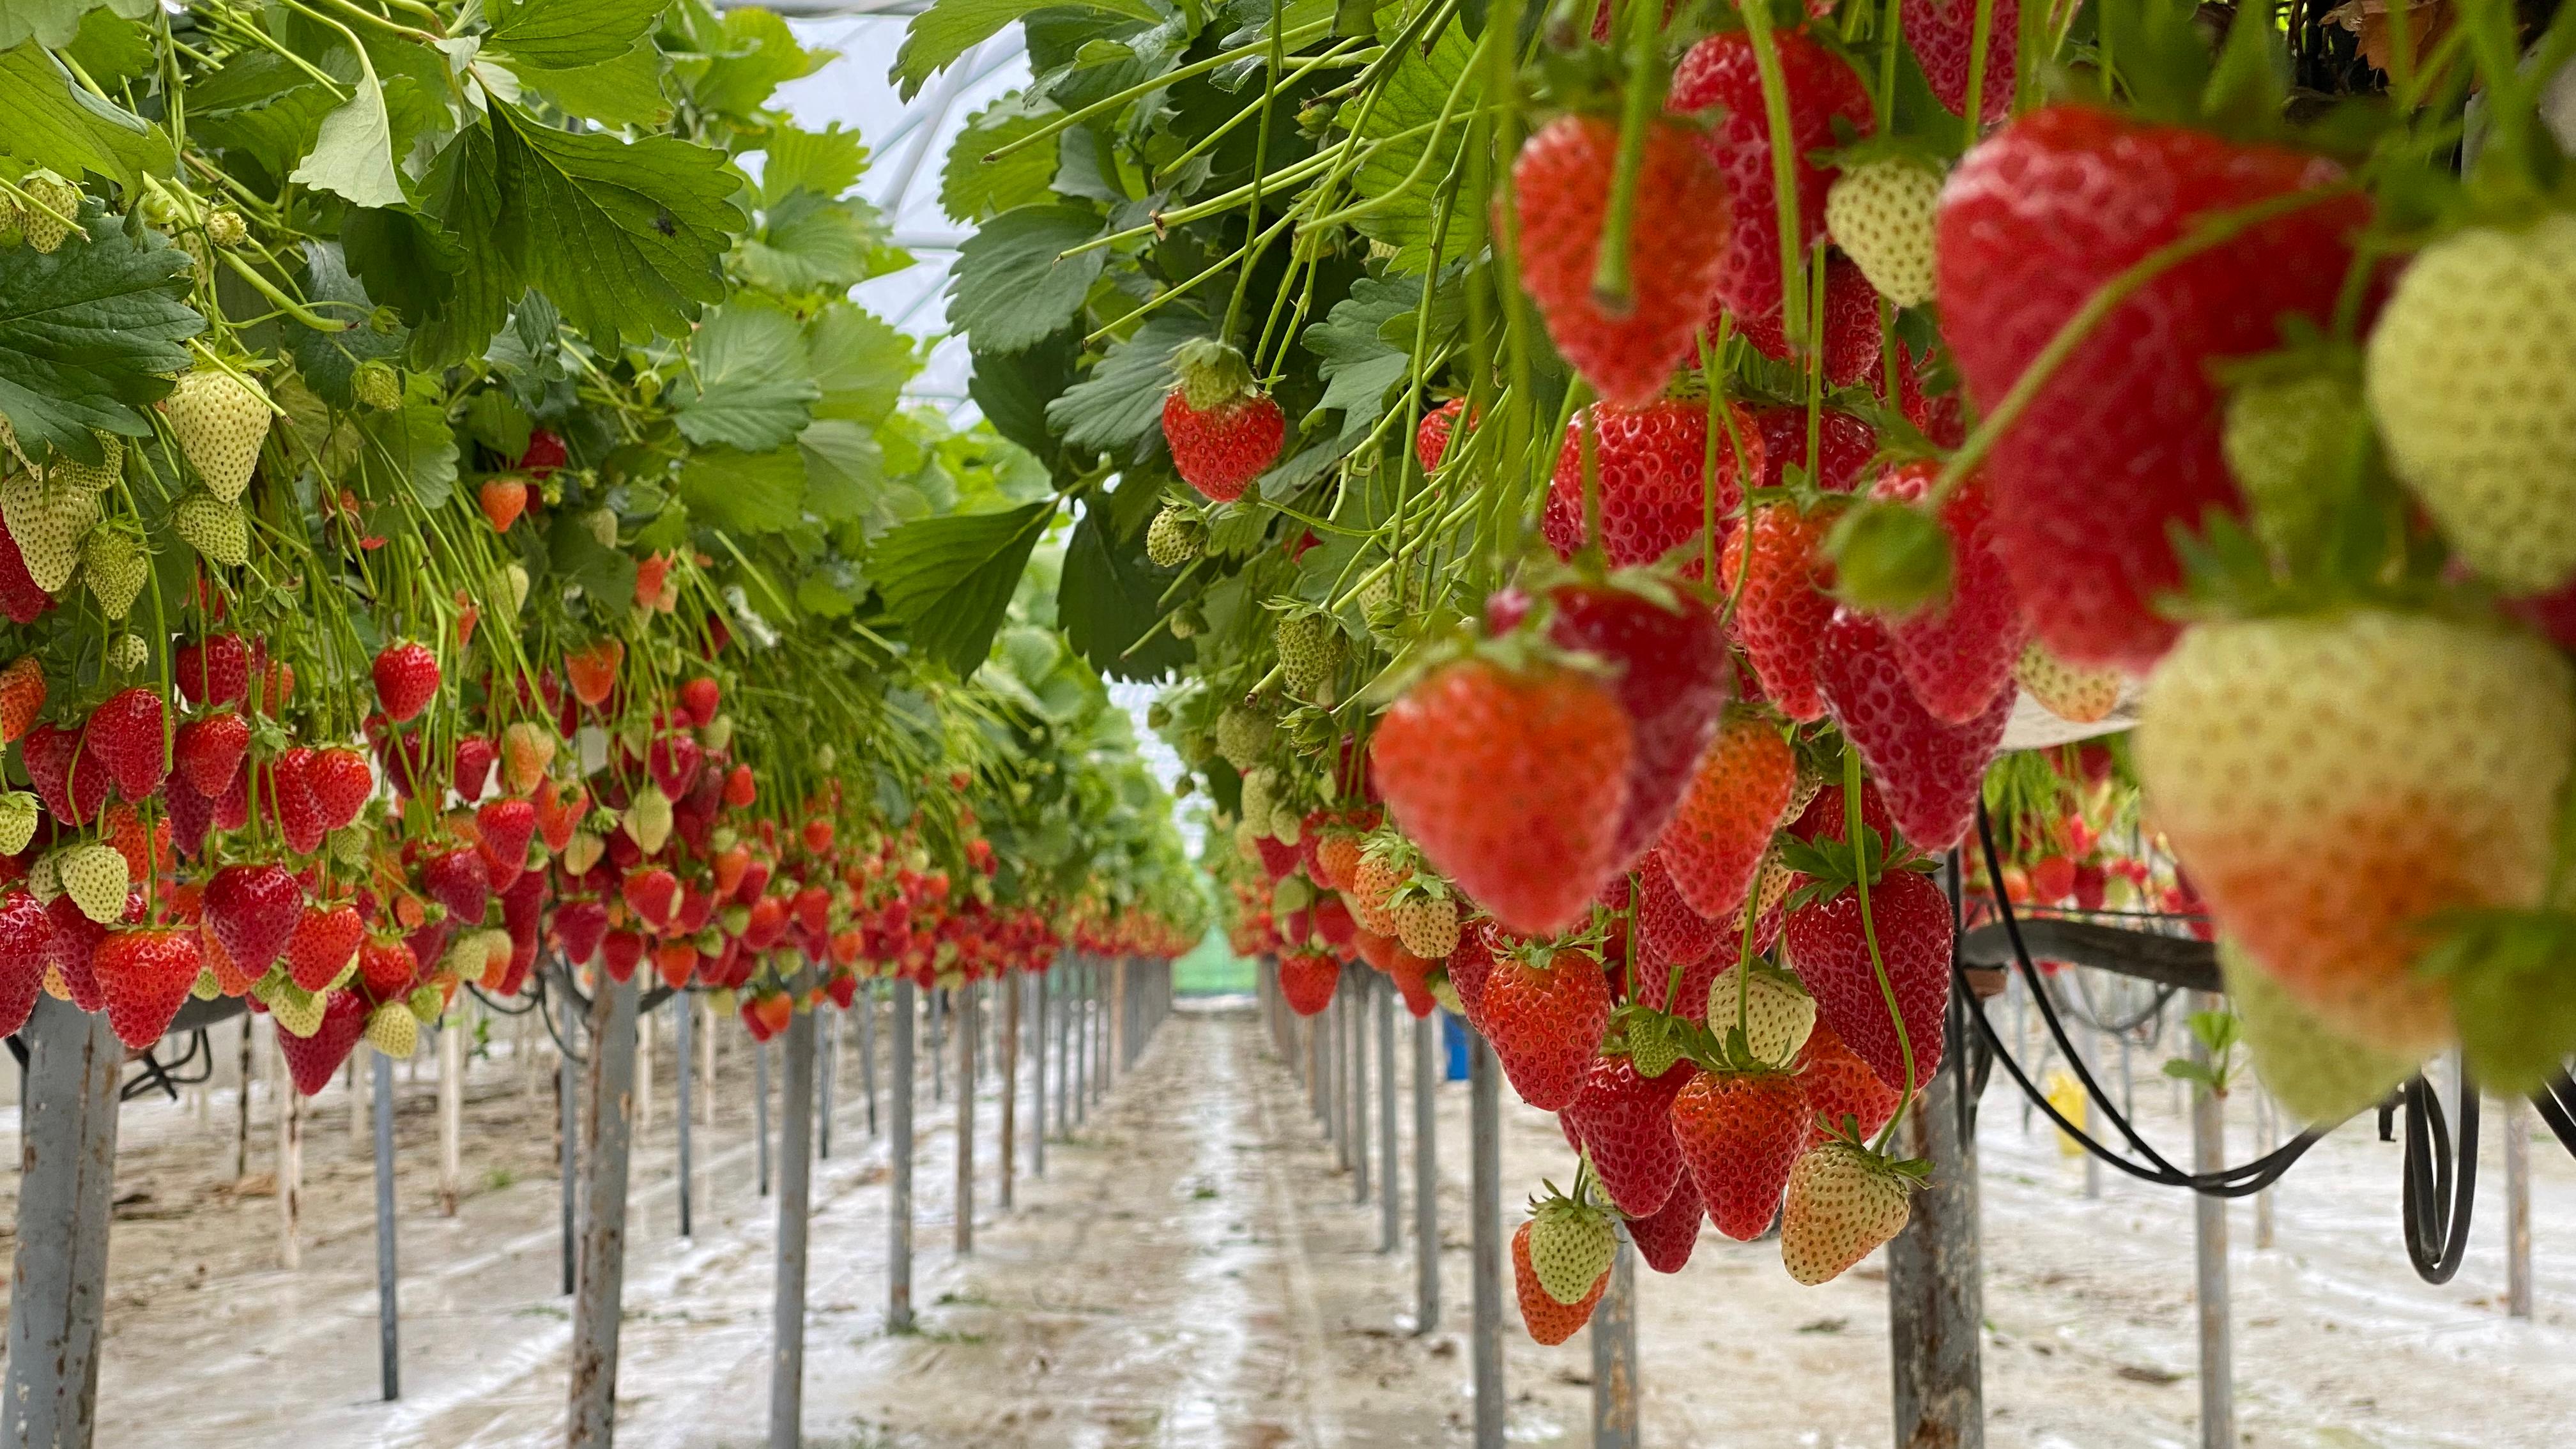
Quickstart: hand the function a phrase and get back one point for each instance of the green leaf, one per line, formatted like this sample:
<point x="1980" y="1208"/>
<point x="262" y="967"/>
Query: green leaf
<point x="566" y="34"/>
<point x="810" y="243"/>
<point x="352" y="154"/>
<point x="972" y="189"/>
<point x="56" y="22"/>
<point x="859" y="361"/>
<point x="328" y="360"/>
<point x="623" y="91"/>
<point x="748" y="386"/>
<point x="950" y="579"/>
<point x="1415" y="92"/>
<point x="825" y="162"/>
<point x="950" y="28"/>
<point x="845" y="476"/>
<point x="112" y="48"/>
<point x="54" y="122"/>
<point x="762" y="55"/>
<point x="627" y="238"/>
<point x="90" y="334"/>
<point x="1121" y="402"/>
<point x="409" y="447"/>
<point x="606" y="576"/>
<point x="1108" y="600"/>
<point x="1359" y="364"/>
<point x="1014" y="389"/>
<point x="1011" y="290"/>
<point x="745" y="492"/>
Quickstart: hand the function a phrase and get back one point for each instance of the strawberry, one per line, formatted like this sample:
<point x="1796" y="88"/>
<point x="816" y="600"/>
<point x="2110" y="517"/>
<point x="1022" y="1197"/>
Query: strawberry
<point x="19" y="816"/>
<point x="545" y="453"/>
<point x="115" y="566"/>
<point x="2468" y="375"/>
<point x="619" y="951"/>
<point x="1426" y="919"/>
<point x="22" y="693"/>
<point x="1880" y="214"/>
<point x="1412" y="977"/>
<point x="1307" y="979"/>
<point x="1930" y="770"/>
<point x="1469" y="968"/>
<point x="1665" y="1237"/>
<point x="218" y="530"/>
<point x="253" y="910"/>
<point x="458" y="880"/>
<point x="1544" y="1011"/>
<point x="21" y="600"/>
<point x="592" y="670"/>
<point x="2032" y="224"/>
<point x="1846" y="444"/>
<point x="1840" y="1085"/>
<point x="325" y="940"/>
<point x="406" y="676"/>
<point x="95" y="877"/>
<point x="1431" y="439"/>
<point x="579" y="926"/>
<point x="1736" y="798"/>
<point x="1561" y="184"/>
<point x="675" y="760"/>
<point x="212" y="671"/>
<point x="527" y="751"/>
<point x="393" y="1031"/>
<point x="701" y="697"/>
<point x="1775" y="1013"/>
<point x="145" y="975"/>
<point x="124" y="734"/>
<point x="208" y="751"/>
<point x="1222" y="429"/>
<point x="559" y="813"/>
<point x="648" y="820"/>
<point x="2075" y="695"/>
<point x="471" y="775"/>
<point x="1853" y="348"/>
<point x="49" y="525"/>
<point x="26" y="944"/>
<point x="1511" y="781"/>
<point x="1672" y="933"/>
<point x="1571" y="1246"/>
<point x="1176" y="536"/>
<point x="314" y="1059"/>
<point x="1337" y="857"/>
<point x="507" y="825"/>
<point x="1831" y="955"/>
<point x="2318" y="1075"/>
<point x="1957" y="651"/>
<point x="1625" y="1121"/>
<point x="339" y="782"/>
<point x="1548" y="1321"/>
<point x="1739" y="1133"/>
<point x="652" y="894"/>
<point x="1844" y="1201"/>
<point x="71" y="950"/>
<point x="66" y="772"/>
<point x="502" y="501"/>
<point x="1650" y="468"/>
<point x="1943" y="33"/>
<point x="220" y="420"/>
<point x="1775" y="569"/>
<point x="289" y="794"/>
<point x="2331" y="781"/>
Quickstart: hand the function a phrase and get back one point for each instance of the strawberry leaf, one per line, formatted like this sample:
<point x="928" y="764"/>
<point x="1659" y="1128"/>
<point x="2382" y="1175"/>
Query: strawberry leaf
<point x="90" y="333"/>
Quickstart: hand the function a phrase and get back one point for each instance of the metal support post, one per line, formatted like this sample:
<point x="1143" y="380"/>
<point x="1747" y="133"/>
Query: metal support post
<point x="1935" y="1294"/>
<point x="1426" y="1175"/>
<point x="568" y="1145"/>
<point x="600" y="1305"/>
<point x="1037" y="1068"/>
<point x="966" y="998"/>
<point x="899" y="1205"/>
<point x="760" y="1108"/>
<point x="2209" y="1239"/>
<point x="1357" y="1021"/>
<point x="2517" y="1207"/>
<point x="1390" y="1210"/>
<point x="1485" y="1201"/>
<point x="388" y="1308"/>
<point x="1007" y="1038"/>
<point x="825" y="1051"/>
<point x="1614" y="1355"/>
<point x="795" y="1179"/>
<point x="683" y="1018"/>
<point x="66" y="1193"/>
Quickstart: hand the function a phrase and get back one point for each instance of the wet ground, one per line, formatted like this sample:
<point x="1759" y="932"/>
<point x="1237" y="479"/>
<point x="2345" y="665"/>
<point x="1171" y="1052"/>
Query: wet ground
<point x="1193" y="1271"/>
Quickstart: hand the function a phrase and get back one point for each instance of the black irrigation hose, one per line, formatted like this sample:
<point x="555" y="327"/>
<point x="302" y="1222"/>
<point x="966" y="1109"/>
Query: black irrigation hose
<point x="2440" y="1188"/>
<point x="2557" y="1106"/>
<point x="2091" y="1015"/>
<point x="2239" y="1181"/>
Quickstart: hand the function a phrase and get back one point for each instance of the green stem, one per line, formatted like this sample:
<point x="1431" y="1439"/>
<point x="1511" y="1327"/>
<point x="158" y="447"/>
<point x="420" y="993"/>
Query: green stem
<point x="1612" y="289"/>
<point x="1110" y="105"/>
<point x="1869" y="935"/>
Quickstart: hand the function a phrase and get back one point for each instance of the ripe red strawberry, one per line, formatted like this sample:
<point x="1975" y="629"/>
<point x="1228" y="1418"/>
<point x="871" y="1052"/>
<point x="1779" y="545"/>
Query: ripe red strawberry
<point x="2031" y="225"/>
<point x="1736" y="797"/>
<point x="1648" y="463"/>
<point x="545" y="453"/>
<point x="253" y="910"/>
<point x="1930" y="770"/>
<point x="506" y="826"/>
<point x="458" y="880"/>
<point x="124" y="733"/>
<point x="1665" y="1237"/>
<point x="1839" y="1085"/>
<point x="385" y="965"/>
<point x="26" y="949"/>
<point x="145" y="975"/>
<point x="1958" y="651"/>
<point x="22" y="693"/>
<point x="288" y="791"/>
<point x="579" y="926"/>
<point x="1853" y="344"/>
<point x="1776" y="570"/>
<point x="314" y="1060"/>
<point x="740" y="788"/>
<point x="406" y="676"/>
<point x="502" y="501"/>
<point x="1469" y="967"/>
<point x="1740" y="1133"/>
<point x="1669" y="674"/>
<point x="473" y="771"/>
<point x="1548" y="1321"/>
<point x="232" y="808"/>
<point x="1942" y="34"/>
<point x="22" y="599"/>
<point x="1431" y="440"/>
<point x="592" y="670"/>
<point x="340" y="782"/>
<point x="1222" y="429"/>
<point x="1672" y="933"/>
<point x="1845" y="443"/>
<point x="1831" y="956"/>
<point x="1825" y="817"/>
<point x="214" y="670"/>
<point x="1544" y="1011"/>
<point x="674" y="760"/>
<point x="191" y="815"/>
<point x="701" y="697"/>
<point x="618" y="952"/>
<point x="652" y="894"/>
<point x="74" y="944"/>
<point x="1512" y="782"/>
<point x="66" y="772"/>
<point x="325" y="938"/>
<point x="1561" y="182"/>
<point x="208" y="751"/>
<point x="1626" y="1122"/>
<point x="1307" y="979"/>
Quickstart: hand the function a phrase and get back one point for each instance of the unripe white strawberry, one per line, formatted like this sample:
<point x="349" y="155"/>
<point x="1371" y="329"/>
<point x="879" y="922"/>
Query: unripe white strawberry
<point x="220" y="422"/>
<point x="392" y="1030"/>
<point x="1880" y="214"/>
<point x="1777" y="1013"/>
<point x="377" y="384"/>
<point x="17" y="821"/>
<point x="215" y="528"/>
<point x="1570" y="1247"/>
<point x="98" y="477"/>
<point x="94" y="876"/>
<point x="227" y="229"/>
<point x="127" y="653"/>
<point x="114" y="563"/>
<point x="1175" y="537"/>
<point x="56" y="209"/>
<point x="2317" y="1074"/>
<point x="1843" y="1201"/>
<point x="48" y="524"/>
<point x="298" y="1011"/>
<point x="2070" y="692"/>
<point x="648" y="820"/>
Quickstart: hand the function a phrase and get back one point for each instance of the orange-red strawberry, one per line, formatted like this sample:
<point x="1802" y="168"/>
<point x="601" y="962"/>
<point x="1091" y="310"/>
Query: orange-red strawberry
<point x="386" y="966"/>
<point x="1929" y="769"/>
<point x="1775" y="569"/>
<point x="559" y="813"/>
<point x="1839" y="1085"/>
<point x="209" y="750"/>
<point x="701" y="697"/>
<point x="124" y="733"/>
<point x="1714" y="845"/>
<point x="652" y="894"/>
<point x="406" y="678"/>
<point x="145" y="976"/>
<point x="1830" y="952"/>
<point x="592" y="669"/>
<point x="1412" y="976"/>
<point x="325" y="939"/>
<point x="1958" y="651"/>
<point x="339" y="782"/>
<point x="527" y="749"/>
<point x="1547" y="1320"/>
<point x="1511" y="781"/>
<point x="1672" y="932"/>
<point x="1307" y="979"/>
<point x="1740" y="1132"/>
<point x="1561" y="183"/>
<point x="502" y="501"/>
<point x="740" y="788"/>
<point x="1222" y="429"/>
<point x="22" y="693"/>
<point x="1626" y="1122"/>
<point x="1544" y="1011"/>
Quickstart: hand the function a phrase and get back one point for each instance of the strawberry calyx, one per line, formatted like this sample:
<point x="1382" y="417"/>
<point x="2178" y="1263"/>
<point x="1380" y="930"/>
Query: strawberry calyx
<point x="2513" y="988"/>
<point x="1912" y="1171"/>
<point x="1211" y="374"/>
<point x="1834" y="866"/>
